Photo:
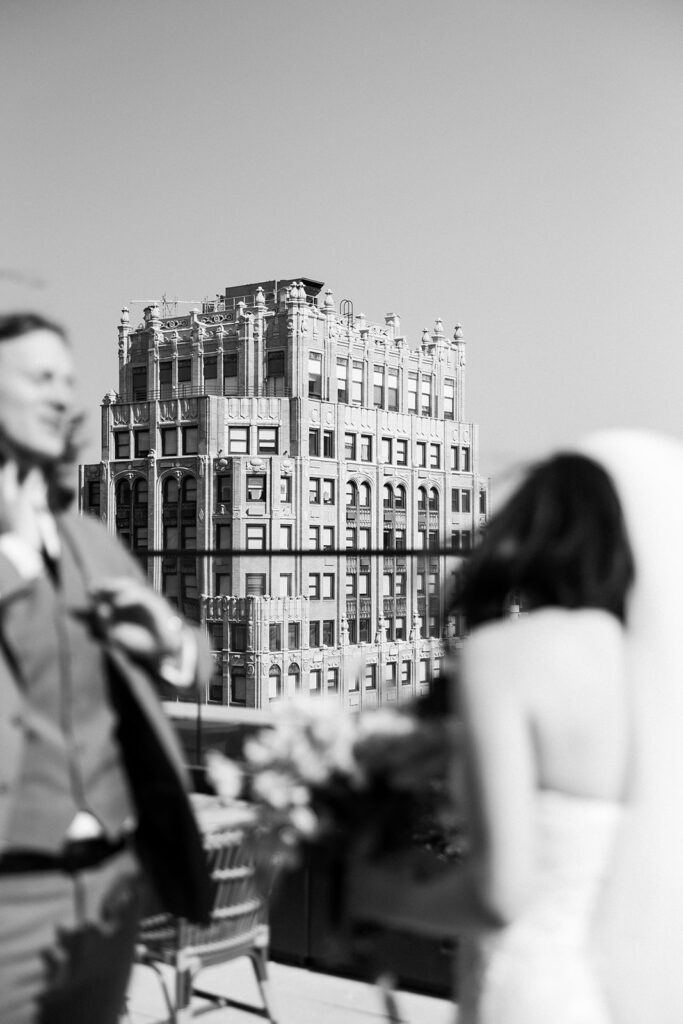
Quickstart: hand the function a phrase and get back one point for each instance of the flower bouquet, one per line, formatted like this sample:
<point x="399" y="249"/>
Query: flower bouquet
<point x="374" y="782"/>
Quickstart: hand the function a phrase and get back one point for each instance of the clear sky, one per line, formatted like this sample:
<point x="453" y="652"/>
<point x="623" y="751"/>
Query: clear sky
<point x="515" y="165"/>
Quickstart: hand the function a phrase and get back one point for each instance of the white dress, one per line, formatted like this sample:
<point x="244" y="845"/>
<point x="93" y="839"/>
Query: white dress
<point x="537" y="970"/>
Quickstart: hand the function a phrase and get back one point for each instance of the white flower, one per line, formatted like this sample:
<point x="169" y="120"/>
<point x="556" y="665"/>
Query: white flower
<point x="225" y="775"/>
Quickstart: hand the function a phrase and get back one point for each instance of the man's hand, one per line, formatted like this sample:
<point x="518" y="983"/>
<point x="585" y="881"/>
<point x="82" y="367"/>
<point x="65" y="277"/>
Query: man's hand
<point x="136" y="618"/>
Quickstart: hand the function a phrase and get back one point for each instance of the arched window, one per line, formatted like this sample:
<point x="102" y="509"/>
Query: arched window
<point x="433" y="500"/>
<point x="293" y="679"/>
<point x="388" y="493"/>
<point x="422" y="499"/>
<point x="365" y="495"/>
<point x="400" y="498"/>
<point x="131" y="516"/>
<point x="274" y="683"/>
<point x="179" y="516"/>
<point x="351" y="494"/>
<point x="170" y="490"/>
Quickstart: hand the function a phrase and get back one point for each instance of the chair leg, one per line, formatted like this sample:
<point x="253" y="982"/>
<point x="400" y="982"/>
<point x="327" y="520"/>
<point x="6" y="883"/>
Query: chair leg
<point x="260" y="965"/>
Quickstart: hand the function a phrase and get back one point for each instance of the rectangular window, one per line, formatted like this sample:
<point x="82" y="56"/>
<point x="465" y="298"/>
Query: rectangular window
<point x="364" y="584"/>
<point x="190" y="440"/>
<point x="285" y="584"/>
<point x="275" y="636"/>
<point x="315" y="681"/>
<point x="342" y="381"/>
<point x="188" y="536"/>
<point x="387" y="449"/>
<point x="421" y="454"/>
<point x="294" y="636"/>
<point x="357" y="383"/>
<point x="392" y="389"/>
<point x="328" y="492"/>
<point x="370" y="676"/>
<point x="328" y="586"/>
<point x="238" y="688"/>
<point x="435" y="456"/>
<point x="400" y="628"/>
<point x="215" y="630"/>
<point x="465" y="501"/>
<point x="314" y="490"/>
<point x="424" y="671"/>
<point x="139" y="382"/>
<point x="255" y="584"/>
<point x="351" y="588"/>
<point x="366" y="447"/>
<point x="328" y="632"/>
<point x="390" y="673"/>
<point x="314" y="634"/>
<point x="364" y="538"/>
<point x="328" y="444"/>
<point x="350" y="447"/>
<point x="406" y="673"/>
<point x="314" y="586"/>
<point x="400" y="584"/>
<point x="223" y="584"/>
<point x="286" y="531"/>
<point x="314" y="442"/>
<point x="224" y="537"/>
<point x="314" y="538"/>
<point x="256" y="537"/>
<point x="238" y="440"/>
<point x="256" y="487"/>
<point x="141" y="443"/>
<point x="184" y="371"/>
<point x="466" y="460"/>
<point x="412" y="392"/>
<point x="122" y="444"/>
<point x="286" y="489"/>
<point x="169" y="441"/>
<point x="210" y="367"/>
<point x="165" y="372"/>
<point x="328" y="538"/>
<point x="482" y="502"/>
<point x="388" y="584"/>
<point x="353" y="638"/>
<point x="351" y="537"/>
<point x="93" y="494"/>
<point x="230" y="381"/>
<point x="378" y="387"/>
<point x="426" y="396"/>
<point x="433" y="583"/>
<point x="449" y="399"/>
<point x="238" y="636"/>
<point x="266" y="440"/>
<point x="364" y="632"/>
<point x="401" y="452"/>
<point x="275" y="364"/>
<point x="315" y="375"/>
<point x="455" y="458"/>
<point x="224" y="489"/>
<point x="400" y="538"/>
<point x="333" y="680"/>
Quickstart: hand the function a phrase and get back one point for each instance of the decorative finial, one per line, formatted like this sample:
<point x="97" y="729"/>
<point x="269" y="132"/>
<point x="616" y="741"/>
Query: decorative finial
<point x="438" y="326"/>
<point x="457" y="332"/>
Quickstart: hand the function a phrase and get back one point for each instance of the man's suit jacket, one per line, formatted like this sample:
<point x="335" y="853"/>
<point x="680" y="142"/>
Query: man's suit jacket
<point x="169" y="843"/>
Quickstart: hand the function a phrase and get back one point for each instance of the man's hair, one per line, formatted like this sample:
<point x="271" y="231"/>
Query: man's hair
<point x="15" y="325"/>
<point x="560" y="540"/>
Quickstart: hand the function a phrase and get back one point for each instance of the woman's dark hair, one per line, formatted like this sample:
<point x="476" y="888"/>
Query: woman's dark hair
<point x="15" y="325"/>
<point x="560" y="540"/>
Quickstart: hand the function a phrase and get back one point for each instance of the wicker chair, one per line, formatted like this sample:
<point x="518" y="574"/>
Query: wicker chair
<point x="238" y="920"/>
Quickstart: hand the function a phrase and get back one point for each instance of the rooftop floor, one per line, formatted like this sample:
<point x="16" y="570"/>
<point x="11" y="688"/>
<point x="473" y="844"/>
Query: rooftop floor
<point x="299" y="996"/>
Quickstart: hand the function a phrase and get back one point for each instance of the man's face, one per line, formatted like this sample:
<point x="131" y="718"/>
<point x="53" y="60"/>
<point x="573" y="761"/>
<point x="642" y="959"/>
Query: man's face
<point x="36" y="397"/>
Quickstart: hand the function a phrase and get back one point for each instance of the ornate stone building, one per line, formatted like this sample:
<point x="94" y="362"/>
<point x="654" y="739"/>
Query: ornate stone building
<point x="309" y="451"/>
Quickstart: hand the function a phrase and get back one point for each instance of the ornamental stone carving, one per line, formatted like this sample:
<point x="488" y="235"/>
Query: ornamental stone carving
<point x="140" y="413"/>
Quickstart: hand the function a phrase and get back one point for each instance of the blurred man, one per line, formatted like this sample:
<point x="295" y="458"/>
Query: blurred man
<point x="92" y="786"/>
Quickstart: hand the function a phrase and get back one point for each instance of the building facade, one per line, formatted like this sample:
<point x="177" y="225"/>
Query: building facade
<point x="319" y="465"/>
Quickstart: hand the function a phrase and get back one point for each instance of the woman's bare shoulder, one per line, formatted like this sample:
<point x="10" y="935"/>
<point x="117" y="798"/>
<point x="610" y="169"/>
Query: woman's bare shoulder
<point x="500" y="651"/>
